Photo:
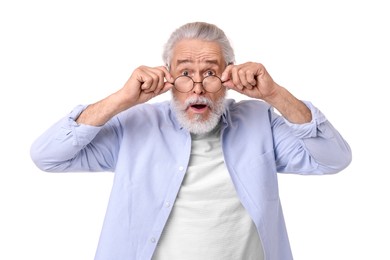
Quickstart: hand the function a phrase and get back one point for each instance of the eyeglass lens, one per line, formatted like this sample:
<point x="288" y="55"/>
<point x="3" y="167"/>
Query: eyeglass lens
<point x="186" y="84"/>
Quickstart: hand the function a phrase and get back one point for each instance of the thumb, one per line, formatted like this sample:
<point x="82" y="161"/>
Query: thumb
<point x="228" y="84"/>
<point x="167" y="86"/>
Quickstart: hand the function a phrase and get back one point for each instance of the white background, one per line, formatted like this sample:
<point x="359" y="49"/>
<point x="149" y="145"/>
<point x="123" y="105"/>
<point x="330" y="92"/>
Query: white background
<point x="57" y="54"/>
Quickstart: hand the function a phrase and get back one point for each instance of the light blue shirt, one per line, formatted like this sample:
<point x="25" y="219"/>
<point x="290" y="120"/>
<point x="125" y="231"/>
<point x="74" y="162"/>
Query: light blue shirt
<point x="149" y="153"/>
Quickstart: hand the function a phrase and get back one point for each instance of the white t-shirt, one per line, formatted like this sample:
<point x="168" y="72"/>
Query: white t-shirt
<point x="208" y="220"/>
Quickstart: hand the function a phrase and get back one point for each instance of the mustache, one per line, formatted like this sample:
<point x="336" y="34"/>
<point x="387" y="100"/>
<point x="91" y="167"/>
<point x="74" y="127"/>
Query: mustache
<point x="198" y="101"/>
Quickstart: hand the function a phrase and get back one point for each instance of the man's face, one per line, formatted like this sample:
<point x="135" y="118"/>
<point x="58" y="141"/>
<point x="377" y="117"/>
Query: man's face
<point x="200" y="110"/>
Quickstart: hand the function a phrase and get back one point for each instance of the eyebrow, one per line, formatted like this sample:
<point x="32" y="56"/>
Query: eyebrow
<point x="213" y="62"/>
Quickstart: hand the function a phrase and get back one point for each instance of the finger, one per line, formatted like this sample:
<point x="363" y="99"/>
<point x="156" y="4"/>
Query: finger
<point x="143" y="77"/>
<point x="235" y="88"/>
<point x="245" y="76"/>
<point x="236" y="77"/>
<point x="153" y="83"/>
<point x="166" y="80"/>
<point x="226" y="75"/>
<point x="167" y="86"/>
<point x="158" y="80"/>
<point x="145" y="81"/>
<point x="153" y="79"/>
<point x="229" y="84"/>
<point x="167" y="75"/>
<point x="251" y="79"/>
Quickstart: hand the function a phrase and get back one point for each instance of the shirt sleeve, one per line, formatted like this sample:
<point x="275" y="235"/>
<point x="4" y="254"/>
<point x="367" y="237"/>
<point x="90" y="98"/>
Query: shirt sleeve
<point x="308" y="130"/>
<point x="67" y="146"/>
<point x="318" y="147"/>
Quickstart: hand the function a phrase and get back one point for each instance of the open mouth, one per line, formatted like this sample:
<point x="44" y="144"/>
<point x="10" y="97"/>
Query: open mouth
<point x="199" y="106"/>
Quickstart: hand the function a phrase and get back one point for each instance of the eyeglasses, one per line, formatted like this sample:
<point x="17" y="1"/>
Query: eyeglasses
<point x="185" y="84"/>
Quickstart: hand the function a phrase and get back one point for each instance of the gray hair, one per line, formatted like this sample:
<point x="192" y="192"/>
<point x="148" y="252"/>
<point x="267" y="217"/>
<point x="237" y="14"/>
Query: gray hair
<point x="202" y="31"/>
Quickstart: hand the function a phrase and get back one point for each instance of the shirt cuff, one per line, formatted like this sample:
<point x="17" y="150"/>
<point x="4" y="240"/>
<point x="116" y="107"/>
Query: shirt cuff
<point x="82" y="134"/>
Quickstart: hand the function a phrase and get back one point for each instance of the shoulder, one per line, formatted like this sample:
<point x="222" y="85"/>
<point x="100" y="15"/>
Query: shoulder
<point x="147" y="109"/>
<point x="248" y="107"/>
<point x="255" y="113"/>
<point x="145" y="114"/>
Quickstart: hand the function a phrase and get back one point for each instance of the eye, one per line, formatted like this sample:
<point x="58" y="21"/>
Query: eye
<point x="209" y="73"/>
<point x="185" y="73"/>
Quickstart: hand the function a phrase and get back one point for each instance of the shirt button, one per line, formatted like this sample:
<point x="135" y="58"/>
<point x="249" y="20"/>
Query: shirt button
<point x="181" y="168"/>
<point x="167" y="204"/>
<point x="153" y="240"/>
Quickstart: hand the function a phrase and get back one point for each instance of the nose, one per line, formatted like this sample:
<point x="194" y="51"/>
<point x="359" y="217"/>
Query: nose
<point x="198" y="87"/>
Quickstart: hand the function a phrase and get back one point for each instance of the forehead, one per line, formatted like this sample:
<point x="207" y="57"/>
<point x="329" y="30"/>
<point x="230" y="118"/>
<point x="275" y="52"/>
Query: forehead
<point x="194" y="51"/>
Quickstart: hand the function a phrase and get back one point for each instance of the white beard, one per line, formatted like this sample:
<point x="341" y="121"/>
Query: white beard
<point x="197" y="125"/>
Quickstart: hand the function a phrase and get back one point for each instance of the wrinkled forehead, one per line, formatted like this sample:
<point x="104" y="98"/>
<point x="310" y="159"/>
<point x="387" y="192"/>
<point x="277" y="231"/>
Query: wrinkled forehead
<point x="197" y="52"/>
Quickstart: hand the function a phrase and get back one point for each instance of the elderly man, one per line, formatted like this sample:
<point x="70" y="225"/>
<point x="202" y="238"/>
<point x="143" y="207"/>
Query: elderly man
<point x="195" y="177"/>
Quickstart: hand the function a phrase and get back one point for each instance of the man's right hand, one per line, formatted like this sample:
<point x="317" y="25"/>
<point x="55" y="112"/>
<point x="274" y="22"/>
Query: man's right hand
<point x="144" y="84"/>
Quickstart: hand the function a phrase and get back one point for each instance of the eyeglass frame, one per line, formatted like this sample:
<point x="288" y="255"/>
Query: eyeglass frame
<point x="201" y="82"/>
